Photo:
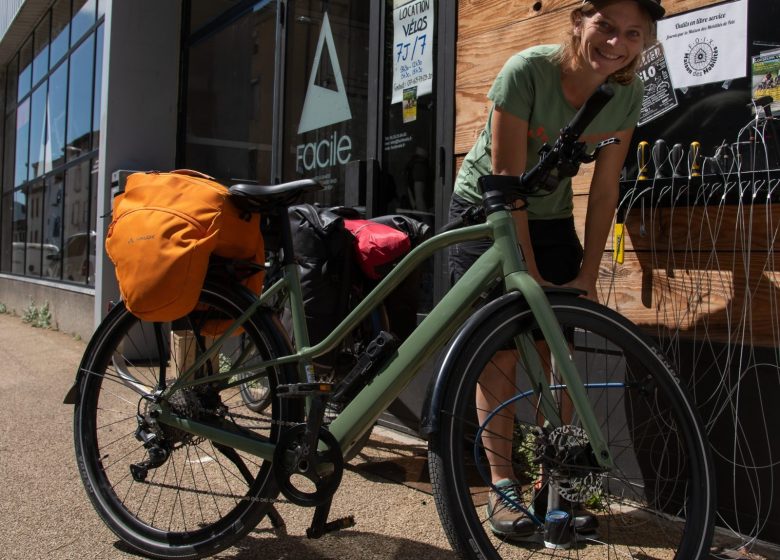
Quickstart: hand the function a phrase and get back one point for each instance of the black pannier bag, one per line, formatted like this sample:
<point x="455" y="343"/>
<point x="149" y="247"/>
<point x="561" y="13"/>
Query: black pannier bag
<point x="332" y="282"/>
<point x="326" y="265"/>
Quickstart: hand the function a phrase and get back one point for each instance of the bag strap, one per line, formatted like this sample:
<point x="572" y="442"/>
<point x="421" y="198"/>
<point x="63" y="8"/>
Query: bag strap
<point x="193" y="173"/>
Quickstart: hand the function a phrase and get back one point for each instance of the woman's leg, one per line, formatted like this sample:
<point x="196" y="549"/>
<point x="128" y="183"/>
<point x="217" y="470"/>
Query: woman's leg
<point x="496" y="385"/>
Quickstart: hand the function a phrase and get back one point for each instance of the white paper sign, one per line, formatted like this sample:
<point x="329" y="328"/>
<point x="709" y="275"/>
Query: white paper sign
<point x="412" y="47"/>
<point x="707" y="45"/>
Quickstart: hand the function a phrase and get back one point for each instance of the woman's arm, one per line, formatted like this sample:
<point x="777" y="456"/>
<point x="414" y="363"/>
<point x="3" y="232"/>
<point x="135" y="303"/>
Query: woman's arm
<point x="602" y="203"/>
<point x="510" y="143"/>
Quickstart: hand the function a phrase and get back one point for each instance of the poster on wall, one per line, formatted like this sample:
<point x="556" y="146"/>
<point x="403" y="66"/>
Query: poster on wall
<point x="706" y="46"/>
<point x="765" y="70"/>
<point x="413" y="22"/>
<point x="659" y="97"/>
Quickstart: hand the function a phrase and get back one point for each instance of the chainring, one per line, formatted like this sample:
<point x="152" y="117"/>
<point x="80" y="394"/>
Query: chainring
<point x="296" y="472"/>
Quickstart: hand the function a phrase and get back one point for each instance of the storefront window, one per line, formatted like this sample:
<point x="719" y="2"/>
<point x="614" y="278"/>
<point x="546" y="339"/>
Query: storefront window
<point x="6" y="212"/>
<point x="230" y="92"/>
<point x="76" y="230"/>
<point x="410" y="116"/>
<point x="22" y="141"/>
<point x="25" y="69"/>
<point x="48" y="213"/>
<point x="83" y="19"/>
<point x="19" y="231"/>
<point x="97" y="94"/>
<point x="10" y="135"/>
<point x="35" y="251"/>
<point x="60" y="30"/>
<point x="326" y="93"/>
<point x="41" y="60"/>
<point x="407" y="182"/>
<point x="80" y="100"/>
<point x="58" y="90"/>
<point x="37" y="131"/>
<point x="52" y="223"/>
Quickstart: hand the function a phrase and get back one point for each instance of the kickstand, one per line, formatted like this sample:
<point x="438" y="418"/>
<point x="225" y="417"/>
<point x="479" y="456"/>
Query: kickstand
<point x="320" y="526"/>
<point x="276" y="520"/>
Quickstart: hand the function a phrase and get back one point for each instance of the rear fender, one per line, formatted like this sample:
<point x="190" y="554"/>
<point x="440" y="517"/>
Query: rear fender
<point x="239" y="294"/>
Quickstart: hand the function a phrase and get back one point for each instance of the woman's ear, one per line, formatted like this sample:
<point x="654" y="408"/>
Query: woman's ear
<point x="576" y="23"/>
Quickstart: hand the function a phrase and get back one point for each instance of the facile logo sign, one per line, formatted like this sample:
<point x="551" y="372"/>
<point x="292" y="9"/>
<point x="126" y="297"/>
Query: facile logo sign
<point x="323" y="107"/>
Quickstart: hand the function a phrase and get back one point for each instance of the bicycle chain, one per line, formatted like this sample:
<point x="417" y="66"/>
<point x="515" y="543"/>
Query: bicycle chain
<point x="200" y="440"/>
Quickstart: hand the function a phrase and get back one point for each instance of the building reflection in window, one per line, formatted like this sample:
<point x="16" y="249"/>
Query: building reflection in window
<point x="230" y="90"/>
<point x="52" y="126"/>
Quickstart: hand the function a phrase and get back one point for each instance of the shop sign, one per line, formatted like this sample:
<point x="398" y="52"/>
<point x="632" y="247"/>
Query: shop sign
<point x="324" y="107"/>
<point x="706" y="46"/>
<point x="659" y="95"/>
<point x="413" y="23"/>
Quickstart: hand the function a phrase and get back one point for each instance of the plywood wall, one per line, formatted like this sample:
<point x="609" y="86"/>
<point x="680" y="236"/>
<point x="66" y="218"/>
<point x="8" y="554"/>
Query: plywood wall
<point x="649" y="291"/>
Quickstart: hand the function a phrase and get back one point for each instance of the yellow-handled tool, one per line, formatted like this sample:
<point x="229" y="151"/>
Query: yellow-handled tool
<point x="642" y="158"/>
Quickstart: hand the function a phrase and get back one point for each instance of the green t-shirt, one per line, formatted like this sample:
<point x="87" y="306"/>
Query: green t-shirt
<point x="529" y="87"/>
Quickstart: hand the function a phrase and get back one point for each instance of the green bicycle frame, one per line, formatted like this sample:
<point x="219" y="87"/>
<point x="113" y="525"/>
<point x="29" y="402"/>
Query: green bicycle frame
<point x="503" y="261"/>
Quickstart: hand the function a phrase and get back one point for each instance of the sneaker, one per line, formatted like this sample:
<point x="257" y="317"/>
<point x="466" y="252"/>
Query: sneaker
<point x="584" y="521"/>
<point x="507" y="520"/>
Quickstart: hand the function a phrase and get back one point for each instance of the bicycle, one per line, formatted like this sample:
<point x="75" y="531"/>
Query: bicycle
<point x="178" y="467"/>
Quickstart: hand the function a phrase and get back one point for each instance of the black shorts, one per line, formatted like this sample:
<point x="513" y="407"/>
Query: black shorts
<point x="557" y="249"/>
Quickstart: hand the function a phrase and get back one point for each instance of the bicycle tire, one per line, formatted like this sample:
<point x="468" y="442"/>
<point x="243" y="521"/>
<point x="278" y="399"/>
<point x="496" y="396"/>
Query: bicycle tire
<point x="204" y="497"/>
<point x="658" y="502"/>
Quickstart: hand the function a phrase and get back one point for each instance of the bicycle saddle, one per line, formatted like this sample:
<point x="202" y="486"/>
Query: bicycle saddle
<point x="263" y="197"/>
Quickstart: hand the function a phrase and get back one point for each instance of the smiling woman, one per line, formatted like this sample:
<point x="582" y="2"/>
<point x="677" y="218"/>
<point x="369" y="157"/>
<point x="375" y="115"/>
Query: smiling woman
<point x="536" y="93"/>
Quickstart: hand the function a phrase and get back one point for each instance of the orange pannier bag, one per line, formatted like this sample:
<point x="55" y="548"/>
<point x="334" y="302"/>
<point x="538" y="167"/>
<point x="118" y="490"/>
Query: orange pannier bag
<point x="165" y="227"/>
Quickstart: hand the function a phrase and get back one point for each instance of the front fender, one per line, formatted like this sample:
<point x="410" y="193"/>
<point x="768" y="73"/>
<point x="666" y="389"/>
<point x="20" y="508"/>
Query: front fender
<point x="429" y="424"/>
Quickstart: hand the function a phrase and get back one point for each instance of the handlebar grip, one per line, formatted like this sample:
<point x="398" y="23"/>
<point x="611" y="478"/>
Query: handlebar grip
<point x="594" y="104"/>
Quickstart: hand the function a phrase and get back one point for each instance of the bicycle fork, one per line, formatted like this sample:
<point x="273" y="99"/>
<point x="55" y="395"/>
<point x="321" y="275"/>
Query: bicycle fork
<point x="559" y="350"/>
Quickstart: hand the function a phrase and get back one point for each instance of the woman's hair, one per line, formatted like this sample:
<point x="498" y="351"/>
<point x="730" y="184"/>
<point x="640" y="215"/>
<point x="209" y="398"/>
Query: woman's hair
<point x="567" y="54"/>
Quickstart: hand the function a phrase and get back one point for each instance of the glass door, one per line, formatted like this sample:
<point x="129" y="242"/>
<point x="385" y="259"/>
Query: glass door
<point x="326" y="92"/>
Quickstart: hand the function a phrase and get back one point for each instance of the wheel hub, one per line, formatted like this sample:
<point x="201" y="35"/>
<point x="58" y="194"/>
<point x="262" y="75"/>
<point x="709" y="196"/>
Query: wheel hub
<point x="568" y="458"/>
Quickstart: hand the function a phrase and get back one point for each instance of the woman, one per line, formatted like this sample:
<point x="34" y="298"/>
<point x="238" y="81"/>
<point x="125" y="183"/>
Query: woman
<point x="536" y="93"/>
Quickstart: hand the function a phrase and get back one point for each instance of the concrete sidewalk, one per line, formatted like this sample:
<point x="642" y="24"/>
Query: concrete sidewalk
<point x="45" y="513"/>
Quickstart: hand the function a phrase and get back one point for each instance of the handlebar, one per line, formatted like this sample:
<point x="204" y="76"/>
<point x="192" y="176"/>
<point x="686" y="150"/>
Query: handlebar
<point x="565" y="156"/>
<point x="592" y="107"/>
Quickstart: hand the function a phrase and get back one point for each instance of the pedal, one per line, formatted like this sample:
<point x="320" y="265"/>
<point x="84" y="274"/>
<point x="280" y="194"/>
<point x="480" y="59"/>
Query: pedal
<point x="301" y="390"/>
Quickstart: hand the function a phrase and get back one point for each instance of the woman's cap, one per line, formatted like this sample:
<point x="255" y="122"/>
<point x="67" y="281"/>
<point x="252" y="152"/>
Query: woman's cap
<point x="653" y="7"/>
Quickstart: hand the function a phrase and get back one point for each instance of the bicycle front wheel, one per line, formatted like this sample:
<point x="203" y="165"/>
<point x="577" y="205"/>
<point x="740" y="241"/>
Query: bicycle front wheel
<point x="165" y="492"/>
<point x="658" y="500"/>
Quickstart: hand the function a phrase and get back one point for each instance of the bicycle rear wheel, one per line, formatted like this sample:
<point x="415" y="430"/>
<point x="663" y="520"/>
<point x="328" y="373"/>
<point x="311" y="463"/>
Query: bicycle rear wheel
<point x="658" y="500"/>
<point x="202" y="496"/>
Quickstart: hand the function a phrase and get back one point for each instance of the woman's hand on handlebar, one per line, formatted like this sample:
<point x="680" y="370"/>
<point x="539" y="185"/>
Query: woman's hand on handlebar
<point x="586" y="285"/>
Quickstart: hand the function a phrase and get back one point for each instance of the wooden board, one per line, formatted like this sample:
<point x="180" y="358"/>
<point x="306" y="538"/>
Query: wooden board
<point x="738" y="301"/>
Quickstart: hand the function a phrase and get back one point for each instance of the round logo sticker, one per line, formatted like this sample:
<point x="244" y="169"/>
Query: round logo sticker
<point x="701" y="57"/>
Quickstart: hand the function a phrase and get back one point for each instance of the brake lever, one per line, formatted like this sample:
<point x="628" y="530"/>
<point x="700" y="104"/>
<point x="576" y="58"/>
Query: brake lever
<point x="592" y="157"/>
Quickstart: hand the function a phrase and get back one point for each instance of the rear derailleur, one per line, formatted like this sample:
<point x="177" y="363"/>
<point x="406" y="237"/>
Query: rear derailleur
<point x="160" y="441"/>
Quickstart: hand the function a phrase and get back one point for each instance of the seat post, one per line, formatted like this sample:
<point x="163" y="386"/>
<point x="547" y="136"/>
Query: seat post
<point x="288" y="251"/>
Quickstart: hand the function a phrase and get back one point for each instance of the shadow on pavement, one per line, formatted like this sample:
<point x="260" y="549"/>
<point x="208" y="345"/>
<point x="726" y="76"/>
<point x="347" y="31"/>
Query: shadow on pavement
<point x="347" y="544"/>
